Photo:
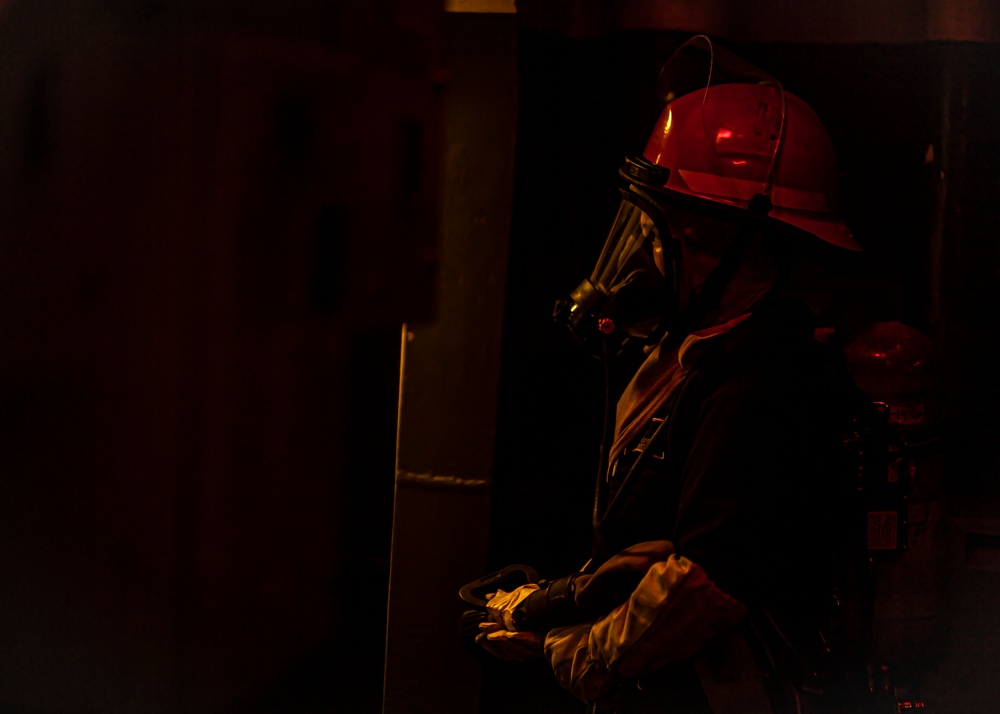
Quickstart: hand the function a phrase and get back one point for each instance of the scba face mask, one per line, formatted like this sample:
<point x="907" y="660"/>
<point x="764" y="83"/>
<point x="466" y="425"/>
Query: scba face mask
<point x="630" y="293"/>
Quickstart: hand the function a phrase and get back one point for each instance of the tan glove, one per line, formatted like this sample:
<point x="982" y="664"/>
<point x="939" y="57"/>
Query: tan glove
<point x="498" y="636"/>
<point x="501" y="606"/>
<point x="567" y="649"/>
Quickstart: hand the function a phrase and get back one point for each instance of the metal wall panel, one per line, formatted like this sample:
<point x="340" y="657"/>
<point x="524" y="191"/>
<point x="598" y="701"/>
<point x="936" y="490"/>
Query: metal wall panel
<point x="449" y="381"/>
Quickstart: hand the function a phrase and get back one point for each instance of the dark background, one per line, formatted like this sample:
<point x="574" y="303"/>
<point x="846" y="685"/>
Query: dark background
<point x="214" y="222"/>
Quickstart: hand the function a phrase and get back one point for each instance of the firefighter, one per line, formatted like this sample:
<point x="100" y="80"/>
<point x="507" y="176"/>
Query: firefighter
<point x="716" y="529"/>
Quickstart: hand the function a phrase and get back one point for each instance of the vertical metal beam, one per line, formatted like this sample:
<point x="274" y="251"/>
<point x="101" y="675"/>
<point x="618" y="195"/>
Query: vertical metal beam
<point x="449" y="381"/>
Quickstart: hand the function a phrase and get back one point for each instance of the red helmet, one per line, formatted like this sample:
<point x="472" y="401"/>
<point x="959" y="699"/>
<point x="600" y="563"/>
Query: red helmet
<point x="730" y="135"/>
<point x="894" y="363"/>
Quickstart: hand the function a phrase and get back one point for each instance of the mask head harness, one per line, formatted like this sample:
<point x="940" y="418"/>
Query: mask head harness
<point x="712" y="150"/>
<point x="632" y="294"/>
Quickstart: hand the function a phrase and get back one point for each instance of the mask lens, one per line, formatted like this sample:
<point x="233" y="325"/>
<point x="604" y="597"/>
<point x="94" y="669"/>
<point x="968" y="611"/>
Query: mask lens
<point x="629" y="294"/>
<point x="634" y="242"/>
<point x="630" y="274"/>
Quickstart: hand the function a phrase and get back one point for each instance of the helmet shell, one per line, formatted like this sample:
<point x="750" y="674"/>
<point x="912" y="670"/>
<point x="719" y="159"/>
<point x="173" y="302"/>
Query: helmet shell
<point x="727" y="144"/>
<point x="894" y="363"/>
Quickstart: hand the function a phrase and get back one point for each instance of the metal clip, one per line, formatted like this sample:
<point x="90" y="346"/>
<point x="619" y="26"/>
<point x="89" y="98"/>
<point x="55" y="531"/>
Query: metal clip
<point x="642" y="446"/>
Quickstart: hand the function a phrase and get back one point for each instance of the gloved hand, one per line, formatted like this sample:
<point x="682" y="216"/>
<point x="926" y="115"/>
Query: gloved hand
<point x="498" y="636"/>
<point x="509" y="644"/>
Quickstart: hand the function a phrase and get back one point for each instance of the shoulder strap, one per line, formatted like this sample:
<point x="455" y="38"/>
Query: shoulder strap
<point x="655" y="434"/>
